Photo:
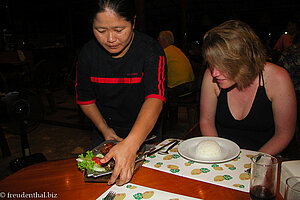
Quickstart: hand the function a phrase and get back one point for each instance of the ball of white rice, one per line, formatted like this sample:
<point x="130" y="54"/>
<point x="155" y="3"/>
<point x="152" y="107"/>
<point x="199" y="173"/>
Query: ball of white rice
<point x="208" y="149"/>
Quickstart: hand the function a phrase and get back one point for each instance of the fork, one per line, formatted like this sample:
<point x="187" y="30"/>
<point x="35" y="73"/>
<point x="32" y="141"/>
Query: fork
<point x="168" y="149"/>
<point x="110" y="196"/>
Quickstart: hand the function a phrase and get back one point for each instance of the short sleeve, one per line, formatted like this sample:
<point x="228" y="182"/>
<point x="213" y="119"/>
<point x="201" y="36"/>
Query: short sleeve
<point x="155" y="75"/>
<point x="84" y="92"/>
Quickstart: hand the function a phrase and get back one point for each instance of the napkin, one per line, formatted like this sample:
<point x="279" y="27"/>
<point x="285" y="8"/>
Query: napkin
<point x="288" y="169"/>
<point x="136" y="192"/>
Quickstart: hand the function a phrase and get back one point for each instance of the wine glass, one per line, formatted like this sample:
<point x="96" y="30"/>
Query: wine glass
<point x="263" y="179"/>
<point x="292" y="191"/>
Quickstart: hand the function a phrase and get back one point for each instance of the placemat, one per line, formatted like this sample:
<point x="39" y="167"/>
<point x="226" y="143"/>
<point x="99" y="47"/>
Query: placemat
<point x="131" y="191"/>
<point x="229" y="174"/>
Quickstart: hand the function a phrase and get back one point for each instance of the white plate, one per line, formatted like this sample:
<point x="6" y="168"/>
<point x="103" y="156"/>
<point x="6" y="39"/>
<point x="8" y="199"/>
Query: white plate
<point x="229" y="149"/>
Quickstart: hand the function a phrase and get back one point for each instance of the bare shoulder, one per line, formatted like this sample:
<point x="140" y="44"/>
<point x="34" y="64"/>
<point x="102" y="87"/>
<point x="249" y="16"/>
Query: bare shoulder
<point x="276" y="79"/>
<point x="274" y="74"/>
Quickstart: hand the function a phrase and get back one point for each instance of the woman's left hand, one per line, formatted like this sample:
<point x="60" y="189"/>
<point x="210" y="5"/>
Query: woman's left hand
<point x="124" y="155"/>
<point x="110" y="134"/>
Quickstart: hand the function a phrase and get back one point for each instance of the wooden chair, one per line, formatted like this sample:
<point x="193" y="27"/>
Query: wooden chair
<point x="3" y="142"/>
<point x="189" y="101"/>
<point x="293" y="149"/>
<point x="193" y="132"/>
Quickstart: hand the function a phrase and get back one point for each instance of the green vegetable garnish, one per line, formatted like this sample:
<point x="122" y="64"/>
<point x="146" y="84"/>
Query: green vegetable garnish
<point x="86" y="162"/>
<point x="99" y="168"/>
<point x="100" y="155"/>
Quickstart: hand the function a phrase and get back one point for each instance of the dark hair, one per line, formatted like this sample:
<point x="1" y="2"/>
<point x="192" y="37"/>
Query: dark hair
<point x="124" y="8"/>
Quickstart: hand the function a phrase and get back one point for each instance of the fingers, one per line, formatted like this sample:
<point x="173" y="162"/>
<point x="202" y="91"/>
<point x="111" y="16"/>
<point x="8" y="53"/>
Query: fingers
<point x="124" y="174"/>
<point x="124" y="163"/>
<point x="109" y="134"/>
<point x="114" y="176"/>
<point x="125" y="177"/>
<point x="118" y="139"/>
<point x="106" y="158"/>
<point x="112" y="136"/>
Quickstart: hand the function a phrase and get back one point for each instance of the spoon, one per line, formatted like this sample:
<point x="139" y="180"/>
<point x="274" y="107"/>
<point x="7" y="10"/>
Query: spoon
<point x="168" y="149"/>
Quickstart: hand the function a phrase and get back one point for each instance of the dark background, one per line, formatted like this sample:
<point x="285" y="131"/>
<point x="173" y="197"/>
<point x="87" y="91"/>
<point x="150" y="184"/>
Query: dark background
<point x="51" y="33"/>
<point x="40" y="23"/>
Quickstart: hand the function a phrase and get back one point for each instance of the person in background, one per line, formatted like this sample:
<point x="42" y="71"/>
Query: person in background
<point x="244" y="98"/>
<point x="180" y="71"/>
<point x="286" y="39"/>
<point x="181" y="79"/>
<point x="120" y="84"/>
<point x="290" y="60"/>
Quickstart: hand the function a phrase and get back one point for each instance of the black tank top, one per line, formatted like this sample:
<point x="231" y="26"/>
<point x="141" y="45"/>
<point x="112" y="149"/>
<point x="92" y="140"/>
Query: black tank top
<point x="255" y="129"/>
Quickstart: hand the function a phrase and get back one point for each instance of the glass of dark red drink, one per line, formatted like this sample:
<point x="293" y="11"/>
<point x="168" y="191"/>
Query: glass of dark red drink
<point x="263" y="179"/>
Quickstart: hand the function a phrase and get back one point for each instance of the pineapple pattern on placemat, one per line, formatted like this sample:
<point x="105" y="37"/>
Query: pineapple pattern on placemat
<point x="131" y="191"/>
<point x="231" y="174"/>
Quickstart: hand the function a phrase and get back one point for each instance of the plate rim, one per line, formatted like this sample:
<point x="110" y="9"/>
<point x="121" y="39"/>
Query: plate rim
<point x="238" y="150"/>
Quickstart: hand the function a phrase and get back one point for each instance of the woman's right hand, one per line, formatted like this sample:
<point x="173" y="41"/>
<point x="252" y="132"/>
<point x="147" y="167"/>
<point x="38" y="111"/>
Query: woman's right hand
<point x="110" y="134"/>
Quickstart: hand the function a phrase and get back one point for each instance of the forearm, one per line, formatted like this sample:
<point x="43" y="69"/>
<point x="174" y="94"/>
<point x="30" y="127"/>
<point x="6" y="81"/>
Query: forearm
<point x="145" y="121"/>
<point x="208" y="128"/>
<point x="93" y="113"/>
<point x="208" y="105"/>
<point x="124" y="153"/>
<point x="277" y="143"/>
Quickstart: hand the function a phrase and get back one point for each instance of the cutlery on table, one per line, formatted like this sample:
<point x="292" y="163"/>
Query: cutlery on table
<point x="168" y="149"/>
<point x="153" y="151"/>
<point x="248" y="170"/>
<point x="110" y="196"/>
<point x="258" y="158"/>
<point x="151" y="137"/>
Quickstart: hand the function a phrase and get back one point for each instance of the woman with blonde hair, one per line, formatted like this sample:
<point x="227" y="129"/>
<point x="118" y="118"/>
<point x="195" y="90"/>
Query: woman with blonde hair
<point x="244" y="98"/>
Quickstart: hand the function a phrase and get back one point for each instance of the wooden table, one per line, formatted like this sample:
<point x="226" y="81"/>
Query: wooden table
<point x="62" y="179"/>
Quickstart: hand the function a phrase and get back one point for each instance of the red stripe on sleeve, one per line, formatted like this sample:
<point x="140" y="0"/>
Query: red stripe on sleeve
<point x="155" y="96"/>
<point x="85" y="102"/>
<point x="159" y="76"/>
<point x="116" y="80"/>
<point x="163" y="76"/>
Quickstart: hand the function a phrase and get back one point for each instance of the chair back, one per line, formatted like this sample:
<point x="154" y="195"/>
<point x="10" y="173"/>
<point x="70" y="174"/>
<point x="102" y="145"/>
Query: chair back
<point x="193" y="132"/>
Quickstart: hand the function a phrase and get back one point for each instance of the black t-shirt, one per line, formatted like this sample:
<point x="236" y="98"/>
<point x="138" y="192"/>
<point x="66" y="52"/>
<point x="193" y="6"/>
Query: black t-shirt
<point x="119" y="86"/>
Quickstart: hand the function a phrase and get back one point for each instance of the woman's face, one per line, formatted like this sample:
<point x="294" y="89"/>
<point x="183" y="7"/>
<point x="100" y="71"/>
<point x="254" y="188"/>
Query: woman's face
<point x="113" y="32"/>
<point x="221" y="78"/>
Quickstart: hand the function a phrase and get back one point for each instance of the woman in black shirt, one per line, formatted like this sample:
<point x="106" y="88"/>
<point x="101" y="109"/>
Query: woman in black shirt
<point x="121" y="84"/>
<point x="243" y="97"/>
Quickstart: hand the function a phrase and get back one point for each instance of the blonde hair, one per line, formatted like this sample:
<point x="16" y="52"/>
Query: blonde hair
<point x="234" y="48"/>
<point x="167" y="36"/>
